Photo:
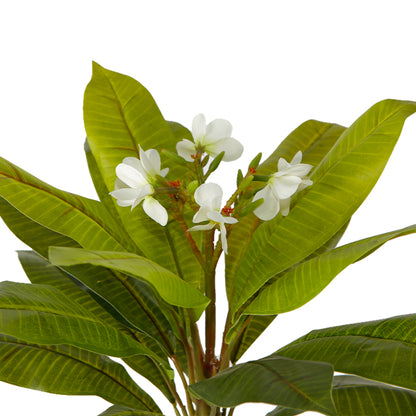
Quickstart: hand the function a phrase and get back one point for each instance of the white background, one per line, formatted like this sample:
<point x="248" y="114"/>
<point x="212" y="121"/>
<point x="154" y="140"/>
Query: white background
<point x="266" y="66"/>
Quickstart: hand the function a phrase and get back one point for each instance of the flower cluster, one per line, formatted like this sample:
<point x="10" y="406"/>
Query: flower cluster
<point x="137" y="178"/>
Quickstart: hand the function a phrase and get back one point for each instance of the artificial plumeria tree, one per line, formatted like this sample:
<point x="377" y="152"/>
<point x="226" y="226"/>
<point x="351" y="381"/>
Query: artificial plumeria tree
<point x="133" y="274"/>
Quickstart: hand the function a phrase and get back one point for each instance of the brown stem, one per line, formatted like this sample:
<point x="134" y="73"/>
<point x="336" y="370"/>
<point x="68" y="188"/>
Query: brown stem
<point x="210" y="312"/>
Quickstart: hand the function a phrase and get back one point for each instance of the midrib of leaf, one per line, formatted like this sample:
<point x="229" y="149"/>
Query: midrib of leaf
<point x="42" y="348"/>
<point x="81" y="209"/>
<point x="174" y="253"/>
<point x="120" y="109"/>
<point x="283" y="380"/>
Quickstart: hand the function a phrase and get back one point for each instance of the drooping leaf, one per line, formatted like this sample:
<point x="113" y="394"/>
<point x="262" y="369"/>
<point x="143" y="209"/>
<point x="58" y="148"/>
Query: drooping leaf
<point x="41" y="272"/>
<point x="120" y="115"/>
<point x="64" y="369"/>
<point x="360" y="397"/>
<point x="170" y="287"/>
<point x="70" y="215"/>
<point x="150" y="369"/>
<point x="30" y="232"/>
<point x="303" y="282"/>
<point x="125" y="411"/>
<point x="340" y="184"/>
<point x="43" y="315"/>
<point x="299" y="384"/>
<point x="314" y="139"/>
<point x="356" y="396"/>
<point x="254" y="328"/>
<point x="383" y="350"/>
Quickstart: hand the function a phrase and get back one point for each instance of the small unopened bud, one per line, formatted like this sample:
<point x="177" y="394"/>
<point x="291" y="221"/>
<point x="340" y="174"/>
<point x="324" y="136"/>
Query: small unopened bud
<point x="255" y="162"/>
<point x="250" y="207"/>
<point x="216" y="162"/>
<point x="261" y="178"/>
<point x="205" y="161"/>
<point x="192" y="186"/>
<point x="240" y="177"/>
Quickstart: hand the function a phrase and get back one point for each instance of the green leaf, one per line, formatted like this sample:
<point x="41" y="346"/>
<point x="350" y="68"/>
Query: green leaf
<point x="356" y="396"/>
<point x="303" y="282"/>
<point x="340" y="184"/>
<point x="120" y="115"/>
<point x="360" y="397"/>
<point x="41" y="272"/>
<point x="44" y="315"/>
<point x="255" y="327"/>
<point x="125" y="411"/>
<point x="71" y="215"/>
<point x="64" y="369"/>
<point x="30" y="232"/>
<point x="170" y="287"/>
<point x="383" y="350"/>
<point x="150" y="369"/>
<point x="299" y="384"/>
<point x="314" y="139"/>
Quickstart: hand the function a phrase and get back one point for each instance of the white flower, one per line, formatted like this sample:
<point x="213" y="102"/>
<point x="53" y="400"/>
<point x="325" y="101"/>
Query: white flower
<point x="208" y="196"/>
<point x="289" y="178"/>
<point x="213" y="139"/>
<point x="134" y="184"/>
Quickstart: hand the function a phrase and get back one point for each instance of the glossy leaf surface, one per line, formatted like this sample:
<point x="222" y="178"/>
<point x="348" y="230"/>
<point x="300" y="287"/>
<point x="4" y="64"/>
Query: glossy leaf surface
<point x="43" y="315"/>
<point x="64" y="369"/>
<point x="169" y="286"/>
<point x="299" y="384"/>
<point x="125" y="411"/>
<point x="382" y="350"/>
<point x="303" y="282"/>
<point x="71" y="215"/>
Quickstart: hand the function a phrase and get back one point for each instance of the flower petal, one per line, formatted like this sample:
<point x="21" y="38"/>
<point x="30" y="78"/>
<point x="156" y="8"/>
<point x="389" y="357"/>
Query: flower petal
<point x="218" y="129"/>
<point x="203" y="227"/>
<point x="185" y="149"/>
<point x="230" y="220"/>
<point x="285" y="186"/>
<point x="297" y="158"/>
<point x="283" y="164"/>
<point x="198" y="127"/>
<point x="215" y="216"/>
<point x="136" y="164"/>
<point x="151" y="161"/>
<point x="232" y="148"/>
<point x="130" y="176"/>
<point x="201" y="214"/>
<point x="270" y="207"/>
<point x="284" y="206"/>
<point x="301" y="170"/>
<point x="155" y="210"/>
<point x="223" y="234"/>
<point x="209" y="195"/>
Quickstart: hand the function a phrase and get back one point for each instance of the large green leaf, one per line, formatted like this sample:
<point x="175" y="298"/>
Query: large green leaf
<point x="83" y="220"/>
<point x="383" y="350"/>
<point x="298" y="384"/>
<point x="120" y="115"/>
<point x="254" y="328"/>
<point x="43" y="315"/>
<point x="126" y="411"/>
<point x="64" y="369"/>
<point x="304" y="281"/>
<point x="340" y="184"/>
<point x="149" y="368"/>
<point x="30" y="232"/>
<point x="356" y="396"/>
<point x="170" y="287"/>
<point x="41" y="272"/>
